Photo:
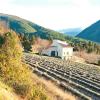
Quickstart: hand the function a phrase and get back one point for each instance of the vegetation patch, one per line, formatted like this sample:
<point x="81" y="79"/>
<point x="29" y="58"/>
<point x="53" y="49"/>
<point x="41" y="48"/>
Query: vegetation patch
<point x="14" y="73"/>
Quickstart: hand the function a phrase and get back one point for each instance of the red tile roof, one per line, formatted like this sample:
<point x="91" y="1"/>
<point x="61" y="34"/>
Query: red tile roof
<point x="64" y="45"/>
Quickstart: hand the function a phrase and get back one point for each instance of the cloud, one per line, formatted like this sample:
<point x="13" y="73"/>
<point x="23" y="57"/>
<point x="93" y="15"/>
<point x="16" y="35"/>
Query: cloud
<point x="55" y="2"/>
<point x="5" y="2"/>
<point x="54" y="14"/>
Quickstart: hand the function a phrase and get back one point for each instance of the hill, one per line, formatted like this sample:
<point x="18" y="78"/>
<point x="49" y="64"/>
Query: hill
<point x="31" y="34"/>
<point x="91" y="33"/>
<point x="71" y="31"/>
<point x="25" y="27"/>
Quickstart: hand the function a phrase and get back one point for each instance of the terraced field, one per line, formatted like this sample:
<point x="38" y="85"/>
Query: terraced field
<point x="82" y="80"/>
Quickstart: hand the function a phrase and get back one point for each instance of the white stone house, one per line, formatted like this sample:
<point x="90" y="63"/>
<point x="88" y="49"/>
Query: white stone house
<point x="59" y="49"/>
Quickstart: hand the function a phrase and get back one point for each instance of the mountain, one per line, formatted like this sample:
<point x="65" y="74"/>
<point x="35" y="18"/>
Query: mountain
<point x="34" y="37"/>
<point x="25" y="27"/>
<point x="71" y="31"/>
<point x="29" y="33"/>
<point x="91" y="33"/>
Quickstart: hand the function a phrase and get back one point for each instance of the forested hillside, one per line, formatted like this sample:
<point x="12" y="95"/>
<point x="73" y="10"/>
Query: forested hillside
<point x="29" y="31"/>
<point x="91" y="33"/>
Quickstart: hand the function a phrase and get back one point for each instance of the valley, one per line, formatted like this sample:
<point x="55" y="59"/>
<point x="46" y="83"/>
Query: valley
<point x="22" y="63"/>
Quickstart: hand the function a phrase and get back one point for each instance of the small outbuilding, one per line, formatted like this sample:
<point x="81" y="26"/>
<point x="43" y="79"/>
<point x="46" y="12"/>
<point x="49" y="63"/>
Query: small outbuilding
<point x="59" y="49"/>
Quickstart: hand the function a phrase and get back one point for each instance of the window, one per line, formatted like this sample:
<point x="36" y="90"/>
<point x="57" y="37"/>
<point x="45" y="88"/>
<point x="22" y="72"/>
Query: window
<point x="67" y="53"/>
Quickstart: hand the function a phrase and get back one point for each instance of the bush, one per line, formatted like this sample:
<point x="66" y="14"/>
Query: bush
<point x="21" y="89"/>
<point x="37" y="93"/>
<point x="14" y="73"/>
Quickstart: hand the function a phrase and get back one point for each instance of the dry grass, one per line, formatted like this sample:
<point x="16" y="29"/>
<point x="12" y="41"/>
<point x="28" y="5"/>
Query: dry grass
<point x="40" y="44"/>
<point x="89" y="58"/>
<point x="6" y="93"/>
<point x="52" y="90"/>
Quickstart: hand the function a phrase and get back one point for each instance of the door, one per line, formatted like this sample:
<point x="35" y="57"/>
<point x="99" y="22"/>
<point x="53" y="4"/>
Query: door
<point x="53" y="53"/>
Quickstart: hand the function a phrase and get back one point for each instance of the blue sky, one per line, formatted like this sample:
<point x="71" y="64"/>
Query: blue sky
<point x="54" y="14"/>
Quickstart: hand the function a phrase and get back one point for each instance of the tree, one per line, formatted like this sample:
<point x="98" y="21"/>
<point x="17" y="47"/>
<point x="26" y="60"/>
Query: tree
<point x="26" y="44"/>
<point x="12" y="70"/>
<point x="32" y="40"/>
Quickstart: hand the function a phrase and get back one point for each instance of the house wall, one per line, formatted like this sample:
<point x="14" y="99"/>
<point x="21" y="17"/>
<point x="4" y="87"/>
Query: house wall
<point x="48" y="51"/>
<point x="63" y="52"/>
<point x="67" y="53"/>
<point x="60" y="51"/>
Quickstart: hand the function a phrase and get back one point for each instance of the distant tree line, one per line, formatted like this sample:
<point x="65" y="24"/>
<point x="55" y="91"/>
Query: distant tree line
<point x="78" y="44"/>
<point x="87" y="46"/>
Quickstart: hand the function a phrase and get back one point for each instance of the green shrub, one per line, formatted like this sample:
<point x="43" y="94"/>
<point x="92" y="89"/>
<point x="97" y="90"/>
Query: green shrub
<point x="14" y="73"/>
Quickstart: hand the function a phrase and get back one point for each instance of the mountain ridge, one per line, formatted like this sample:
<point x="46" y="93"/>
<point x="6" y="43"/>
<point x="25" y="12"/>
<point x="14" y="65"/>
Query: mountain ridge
<point x="71" y="31"/>
<point x="28" y="32"/>
<point x="20" y="25"/>
<point x="91" y="33"/>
